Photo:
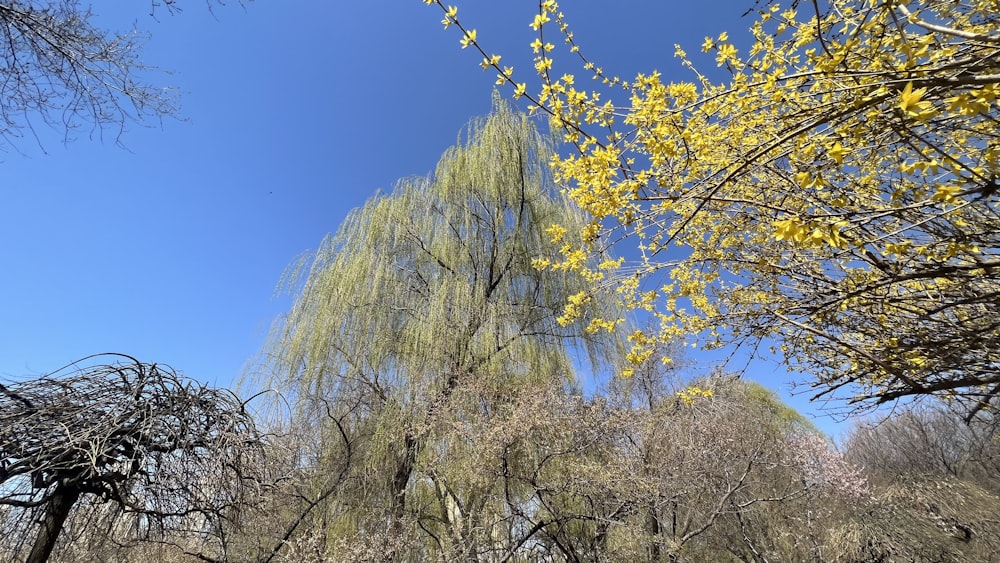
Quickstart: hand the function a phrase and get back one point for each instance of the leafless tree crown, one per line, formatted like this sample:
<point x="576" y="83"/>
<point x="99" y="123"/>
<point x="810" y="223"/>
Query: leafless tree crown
<point x="131" y="441"/>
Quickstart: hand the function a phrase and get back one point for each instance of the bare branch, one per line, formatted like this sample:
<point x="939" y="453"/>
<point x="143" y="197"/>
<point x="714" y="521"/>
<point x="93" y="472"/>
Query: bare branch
<point x="163" y="452"/>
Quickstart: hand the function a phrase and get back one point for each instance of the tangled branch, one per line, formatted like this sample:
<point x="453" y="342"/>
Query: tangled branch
<point x="132" y="441"/>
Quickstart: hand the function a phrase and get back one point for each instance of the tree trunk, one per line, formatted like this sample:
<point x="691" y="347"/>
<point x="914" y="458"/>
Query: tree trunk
<point x="402" y="476"/>
<point x="653" y="529"/>
<point x="56" y="511"/>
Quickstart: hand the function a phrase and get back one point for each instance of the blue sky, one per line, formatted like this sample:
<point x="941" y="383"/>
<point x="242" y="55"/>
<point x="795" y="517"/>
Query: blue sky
<point x="294" y="112"/>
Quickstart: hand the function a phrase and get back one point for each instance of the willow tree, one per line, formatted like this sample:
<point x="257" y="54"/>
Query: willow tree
<point x="422" y="292"/>
<point x="838" y="192"/>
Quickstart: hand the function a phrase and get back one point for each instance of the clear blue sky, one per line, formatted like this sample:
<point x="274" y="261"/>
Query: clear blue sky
<point x="294" y="112"/>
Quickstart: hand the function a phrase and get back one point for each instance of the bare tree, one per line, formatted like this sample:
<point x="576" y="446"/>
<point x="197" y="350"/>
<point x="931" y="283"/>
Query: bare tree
<point x="124" y="452"/>
<point x="929" y="440"/>
<point x="59" y="69"/>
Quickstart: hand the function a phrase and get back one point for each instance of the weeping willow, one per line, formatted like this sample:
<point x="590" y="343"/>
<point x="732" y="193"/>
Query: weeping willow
<point x="423" y="312"/>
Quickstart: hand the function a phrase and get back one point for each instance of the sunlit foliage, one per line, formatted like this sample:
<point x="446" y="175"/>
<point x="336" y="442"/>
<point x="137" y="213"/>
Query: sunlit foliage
<point x="837" y="193"/>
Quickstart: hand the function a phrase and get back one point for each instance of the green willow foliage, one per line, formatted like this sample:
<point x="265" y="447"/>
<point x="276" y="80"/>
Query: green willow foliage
<point x="422" y="295"/>
<point x="435" y="280"/>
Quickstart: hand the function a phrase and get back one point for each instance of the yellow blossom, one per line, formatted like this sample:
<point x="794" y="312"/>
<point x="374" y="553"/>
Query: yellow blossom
<point x="912" y="104"/>
<point x="540" y="20"/>
<point x="556" y="233"/>
<point x="837" y="152"/>
<point x="468" y="39"/>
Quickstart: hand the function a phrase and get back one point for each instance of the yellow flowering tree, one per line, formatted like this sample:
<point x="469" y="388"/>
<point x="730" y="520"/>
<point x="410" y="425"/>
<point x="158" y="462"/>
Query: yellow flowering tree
<point x="837" y="194"/>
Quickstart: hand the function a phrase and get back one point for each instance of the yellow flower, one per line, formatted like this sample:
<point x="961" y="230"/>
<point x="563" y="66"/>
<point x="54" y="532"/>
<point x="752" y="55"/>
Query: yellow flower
<point x="899" y="249"/>
<point x="556" y="233"/>
<point x="540" y="263"/>
<point x="726" y="52"/>
<point x="912" y="105"/>
<point x="452" y="12"/>
<point x="540" y="20"/>
<point x="692" y="393"/>
<point x="837" y="152"/>
<point x="543" y="64"/>
<point x="789" y="229"/>
<point x="492" y="61"/>
<point x="469" y="38"/>
<point x="450" y="16"/>
<point x="945" y="193"/>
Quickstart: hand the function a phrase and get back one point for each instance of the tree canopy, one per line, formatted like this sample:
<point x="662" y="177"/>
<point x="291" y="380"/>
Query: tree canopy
<point x="424" y="312"/>
<point x="837" y="193"/>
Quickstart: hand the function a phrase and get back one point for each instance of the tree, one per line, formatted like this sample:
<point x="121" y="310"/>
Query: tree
<point x="935" y="481"/>
<point x="119" y="454"/>
<point x="59" y="69"/>
<point x="917" y="518"/>
<point x="838" y="193"/>
<point x="929" y="441"/>
<point x="715" y="469"/>
<point x="720" y="469"/>
<point x="422" y="294"/>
